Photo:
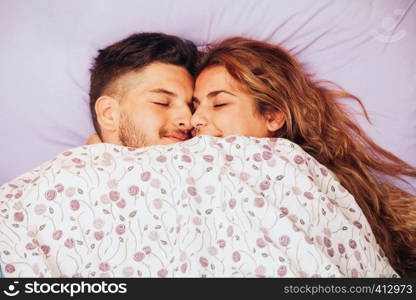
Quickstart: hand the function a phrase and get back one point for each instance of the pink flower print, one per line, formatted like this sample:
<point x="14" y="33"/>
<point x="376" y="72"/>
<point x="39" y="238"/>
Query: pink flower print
<point x="267" y="155"/>
<point x="98" y="224"/>
<point x="75" y="205"/>
<point x="358" y="224"/>
<point x="40" y="209"/>
<point x="208" y="158"/>
<point x="184" y="267"/>
<point x="354" y="273"/>
<point x="352" y="244"/>
<point x="327" y="231"/>
<point x="327" y="242"/>
<point x="303" y="274"/>
<point x="324" y="172"/>
<point x="357" y="255"/>
<point x="261" y="270"/>
<point x="30" y="246"/>
<point x="299" y="159"/>
<point x="154" y="236"/>
<point x="203" y="261"/>
<point x="69" y="192"/>
<point x="114" y="195"/>
<point x="259" y="202"/>
<point x="67" y="153"/>
<point x="69" y="243"/>
<point x="281" y="271"/>
<point x="9" y="268"/>
<point x="138" y="256"/>
<point x="121" y="229"/>
<point x="77" y="275"/>
<point x="50" y="195"/>
<point x="308" y="195"/>
<point x="45" y="249"/>
<point x="284" y="240"/>
<point x="112" y="184"/>
<point x="59" y="188"/>
<point x="197" y="221"/>
<point x="271" y="163"/>
<point x="162" y="273"/>
<point x="331" y="252"/>
<point x="244" y="176"/>
<point x="98" y="235"/>
<point x="230" y="231"/>
<point x="293" y="218"/>
<point x="236" y="256"/>
<point x="213" y="251"/>
<point x="128" y="271"/>
<point x="192" y="191"/>
<point x="186" y="158"/>
<point x="155" y="183"/>
<point x="257" y="157"/>
<point x="19" y="217"/>
<point x="284" y="210"/>
<point x="381" y="252"/>
<point x="161" y="158"/>
<point x="133" y="190"/>
<point x="221" y="243"/>
<point x="18" y="195"/>
<point x="309" y="240"/>
<point x="264" y="185"/>
<point x="104" y="199"/>
<point x="229" y="157"/>
<point x="104" y="266"/>
<point x="231" y="139"/>
<point x="261" y="243"/>
<point x="76" y="160"/>
<point x="147" y="250"/>
<point x="296" y="190"/>
<point x="232" y="203"/>
<point x="209" y="190"/>
<point x="157" y="203"/>
<point x="121" y="204"/>
<point x="341" y="248"/>
<point x="190" y="180"/>
<point x="57" y="235"/>
<point x="145" y="176"/>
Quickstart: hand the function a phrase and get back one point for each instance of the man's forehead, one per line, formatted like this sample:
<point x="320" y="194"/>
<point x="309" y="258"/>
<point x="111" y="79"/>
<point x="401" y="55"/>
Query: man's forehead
<point x="157" y="78"/>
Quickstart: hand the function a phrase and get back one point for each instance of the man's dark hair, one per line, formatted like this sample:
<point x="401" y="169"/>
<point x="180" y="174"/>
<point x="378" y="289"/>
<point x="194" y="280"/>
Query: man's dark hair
<point x="133" y="54"/>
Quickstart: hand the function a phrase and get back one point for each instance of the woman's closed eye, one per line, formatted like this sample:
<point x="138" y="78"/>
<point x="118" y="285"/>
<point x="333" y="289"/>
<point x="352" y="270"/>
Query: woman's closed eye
<point x="161" y="103"/>
<point x="220" y="105"/>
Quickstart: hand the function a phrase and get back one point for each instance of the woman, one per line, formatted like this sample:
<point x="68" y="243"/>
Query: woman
<point x="254" y="88"/>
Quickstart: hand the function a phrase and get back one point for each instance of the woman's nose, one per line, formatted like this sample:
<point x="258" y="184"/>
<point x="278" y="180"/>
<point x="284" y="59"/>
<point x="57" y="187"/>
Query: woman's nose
<point x="199" y="119"/>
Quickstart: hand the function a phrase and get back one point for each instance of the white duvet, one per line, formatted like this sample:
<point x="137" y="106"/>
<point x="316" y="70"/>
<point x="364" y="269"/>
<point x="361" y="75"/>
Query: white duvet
<point x="234" y="207"/>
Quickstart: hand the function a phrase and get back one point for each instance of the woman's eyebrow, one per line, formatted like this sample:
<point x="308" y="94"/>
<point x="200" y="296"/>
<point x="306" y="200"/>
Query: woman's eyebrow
<point x="215" y="93"/>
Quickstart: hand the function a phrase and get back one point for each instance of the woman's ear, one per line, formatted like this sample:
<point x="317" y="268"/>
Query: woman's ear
<point x="108" y="114"/>
<point x="275" y="121"/>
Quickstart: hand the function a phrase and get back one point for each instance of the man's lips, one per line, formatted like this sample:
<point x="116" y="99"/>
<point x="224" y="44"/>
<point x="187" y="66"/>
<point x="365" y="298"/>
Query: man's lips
<point x="177" y="138"/>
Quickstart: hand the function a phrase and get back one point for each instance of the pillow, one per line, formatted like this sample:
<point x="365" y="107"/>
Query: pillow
<point x="210" y="207"/>
<point x="366" y="47"/>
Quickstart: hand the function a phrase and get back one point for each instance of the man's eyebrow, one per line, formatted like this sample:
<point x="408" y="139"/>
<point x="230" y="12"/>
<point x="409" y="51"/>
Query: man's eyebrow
<point x="163" y="91"/>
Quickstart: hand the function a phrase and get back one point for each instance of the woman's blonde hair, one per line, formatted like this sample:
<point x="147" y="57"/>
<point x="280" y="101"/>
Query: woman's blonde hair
<point x="319" y="123"/>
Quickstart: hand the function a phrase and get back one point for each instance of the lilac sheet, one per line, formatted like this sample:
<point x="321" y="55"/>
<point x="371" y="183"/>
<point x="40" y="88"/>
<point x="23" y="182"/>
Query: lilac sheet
<point x="46" y="48"/>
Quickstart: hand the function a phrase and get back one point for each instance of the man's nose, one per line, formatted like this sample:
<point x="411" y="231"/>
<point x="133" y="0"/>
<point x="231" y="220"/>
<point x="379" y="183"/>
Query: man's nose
<point x="183" y="119"/>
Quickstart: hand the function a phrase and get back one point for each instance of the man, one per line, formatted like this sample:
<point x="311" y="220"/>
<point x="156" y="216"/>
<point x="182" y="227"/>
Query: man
<point x="141" y="90"/>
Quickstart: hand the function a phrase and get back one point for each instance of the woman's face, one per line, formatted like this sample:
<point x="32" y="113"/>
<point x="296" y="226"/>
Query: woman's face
<point x="223" y="109"/>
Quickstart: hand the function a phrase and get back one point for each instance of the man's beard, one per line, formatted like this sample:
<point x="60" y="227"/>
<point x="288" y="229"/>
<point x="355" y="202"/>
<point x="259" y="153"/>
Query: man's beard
<point x="129" y="135"/>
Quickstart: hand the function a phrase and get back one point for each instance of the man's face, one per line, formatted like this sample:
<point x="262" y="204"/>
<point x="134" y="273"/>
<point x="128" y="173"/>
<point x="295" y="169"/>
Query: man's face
<point x="156" y="107"/>
<point x="223" y="109"/>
